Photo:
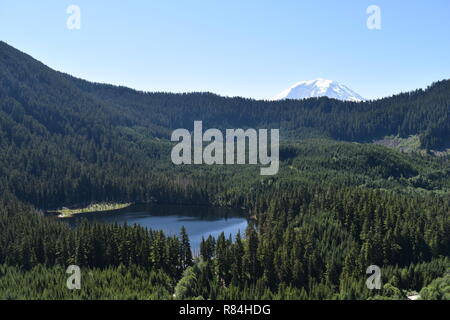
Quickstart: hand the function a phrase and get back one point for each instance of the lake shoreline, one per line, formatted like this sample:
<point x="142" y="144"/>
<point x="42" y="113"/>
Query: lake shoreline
<point x="199" y="221"/>
<point x="93" y="208"/>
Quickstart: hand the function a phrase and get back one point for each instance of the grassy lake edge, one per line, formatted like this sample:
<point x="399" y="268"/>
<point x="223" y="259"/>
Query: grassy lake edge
<point x="96" y="207"/>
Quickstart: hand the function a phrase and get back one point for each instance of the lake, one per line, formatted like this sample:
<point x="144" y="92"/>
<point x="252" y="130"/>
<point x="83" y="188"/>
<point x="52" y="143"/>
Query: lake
<point x="199" y="221"/>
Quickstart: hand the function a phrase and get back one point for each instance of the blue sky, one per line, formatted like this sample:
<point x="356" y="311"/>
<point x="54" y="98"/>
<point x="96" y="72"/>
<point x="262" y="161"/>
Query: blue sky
<point x="250" y="48"/>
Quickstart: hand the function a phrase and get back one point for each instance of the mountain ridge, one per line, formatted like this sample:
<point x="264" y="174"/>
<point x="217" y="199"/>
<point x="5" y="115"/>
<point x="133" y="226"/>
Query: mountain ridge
<point x="37" y="89"/>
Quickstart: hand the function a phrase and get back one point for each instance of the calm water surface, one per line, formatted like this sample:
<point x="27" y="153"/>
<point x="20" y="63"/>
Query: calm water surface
<point x="199" y="221"/>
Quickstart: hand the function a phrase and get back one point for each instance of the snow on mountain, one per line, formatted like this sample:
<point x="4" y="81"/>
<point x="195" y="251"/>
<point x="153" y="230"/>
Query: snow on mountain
<point x="319" y="88"/>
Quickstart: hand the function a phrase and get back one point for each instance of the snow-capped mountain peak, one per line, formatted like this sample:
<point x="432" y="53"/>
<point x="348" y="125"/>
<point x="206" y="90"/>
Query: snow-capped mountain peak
<point x="319" y="88"/>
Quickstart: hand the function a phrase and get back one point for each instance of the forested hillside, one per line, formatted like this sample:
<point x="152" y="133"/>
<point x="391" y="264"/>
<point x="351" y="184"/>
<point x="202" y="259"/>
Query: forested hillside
<point x="421" y="112"/>
<point x="73" y="141"/>
<point x="338" y="204"/>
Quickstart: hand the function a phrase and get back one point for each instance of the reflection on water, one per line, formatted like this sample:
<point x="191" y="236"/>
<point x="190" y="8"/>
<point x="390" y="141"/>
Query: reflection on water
<point x="199" y="221"/>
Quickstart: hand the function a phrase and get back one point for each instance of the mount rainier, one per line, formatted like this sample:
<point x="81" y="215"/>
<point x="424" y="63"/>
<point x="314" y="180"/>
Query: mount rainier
<point x="319" y="88"/>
